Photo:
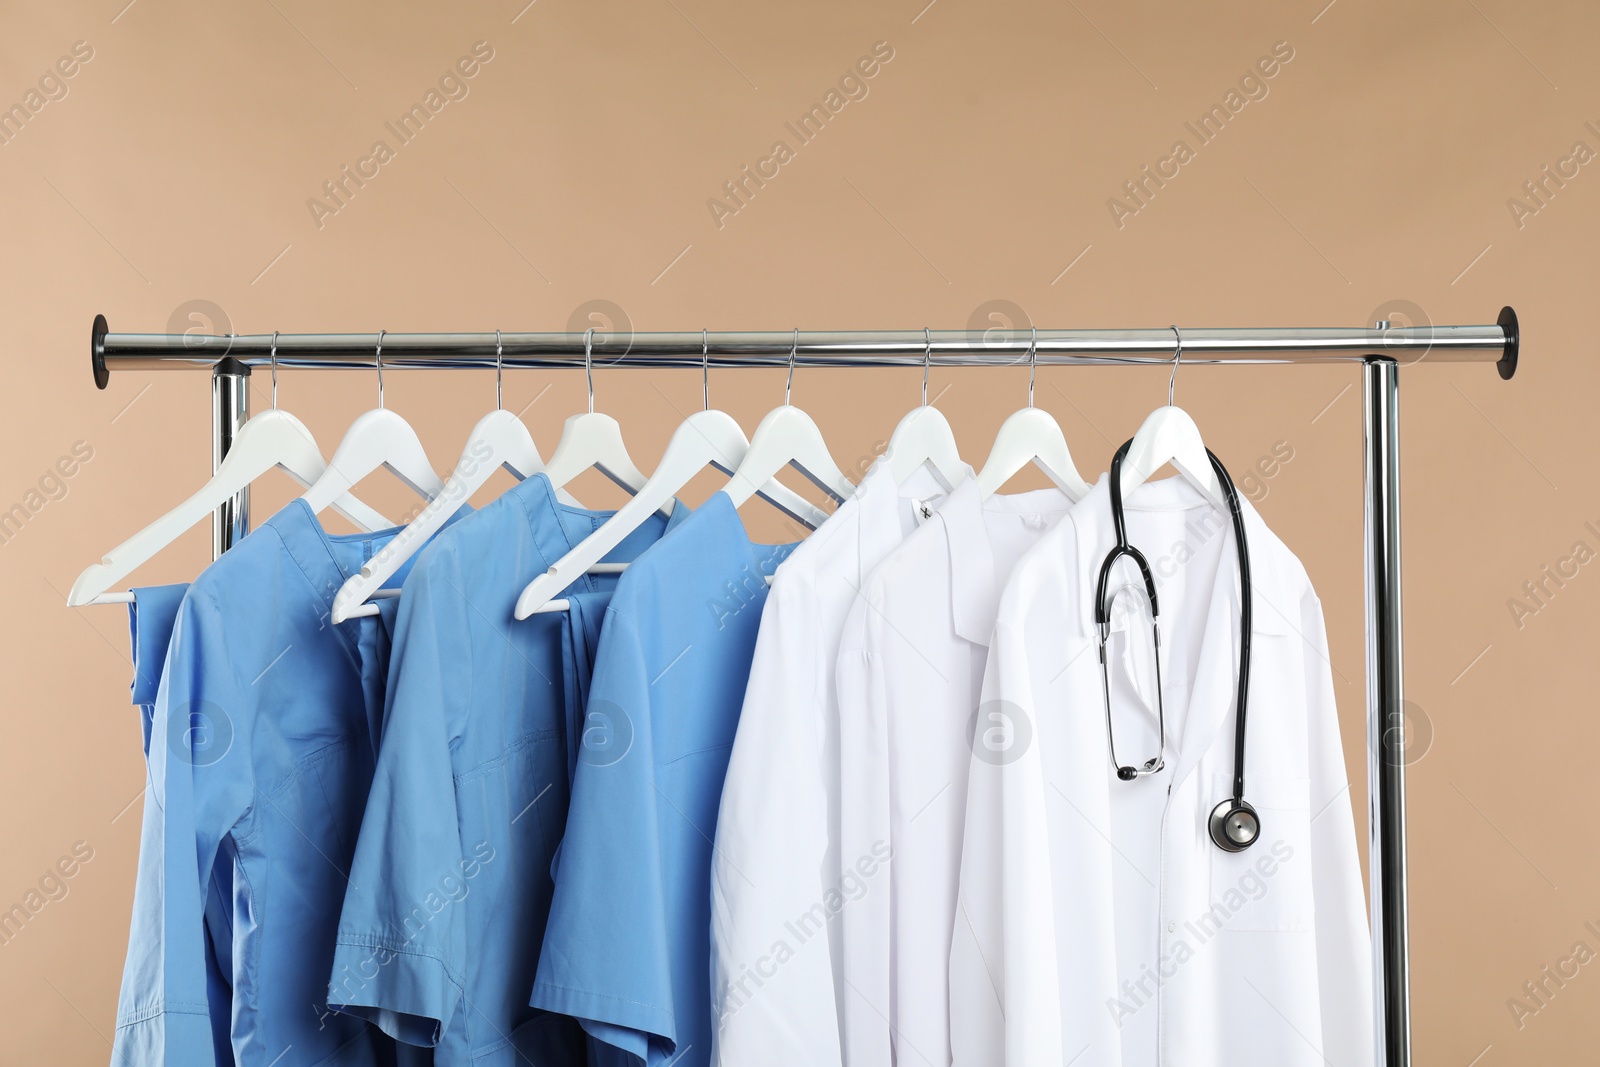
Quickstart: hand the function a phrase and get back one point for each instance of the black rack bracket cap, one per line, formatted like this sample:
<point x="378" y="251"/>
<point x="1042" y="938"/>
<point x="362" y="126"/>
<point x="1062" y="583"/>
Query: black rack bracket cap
<point x="1508" y="361"/>
<point x="97" y="352"/>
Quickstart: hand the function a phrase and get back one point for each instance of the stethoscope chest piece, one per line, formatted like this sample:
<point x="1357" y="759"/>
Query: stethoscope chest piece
<point x="1234" y="825"/>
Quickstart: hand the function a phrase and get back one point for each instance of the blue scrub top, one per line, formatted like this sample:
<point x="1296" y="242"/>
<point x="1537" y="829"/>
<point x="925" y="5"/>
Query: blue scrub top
<point x="261" y="754"/>
<point x="445" y="912"/>
<point x="627" y="948"/>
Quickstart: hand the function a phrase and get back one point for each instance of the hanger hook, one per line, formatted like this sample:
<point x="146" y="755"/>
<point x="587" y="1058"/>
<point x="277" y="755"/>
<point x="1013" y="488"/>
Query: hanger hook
<point x="273" y="357"/>
<point x="794" y="346"/>
<point x="705" y="369"/>
<point x="1033" y="362"/>
<point x="927" y="358"/>
<point x="378" y="357"/>
<point x="588" y="364"/>
<point x="499" y="355"/>
<point x="1177" y="357"/>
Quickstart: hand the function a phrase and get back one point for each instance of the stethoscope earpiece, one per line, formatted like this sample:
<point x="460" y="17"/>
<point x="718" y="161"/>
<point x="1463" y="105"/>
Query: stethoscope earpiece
<point x="1234" y="825"/>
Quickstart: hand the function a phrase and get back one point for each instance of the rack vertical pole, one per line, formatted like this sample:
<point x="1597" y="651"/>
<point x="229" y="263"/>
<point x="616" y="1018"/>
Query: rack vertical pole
<point x="1386" y="768"/>
<point x="230" y="407"/>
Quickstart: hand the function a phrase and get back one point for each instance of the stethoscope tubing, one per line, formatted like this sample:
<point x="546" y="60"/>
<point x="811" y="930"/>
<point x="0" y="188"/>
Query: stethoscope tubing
<point x="1103" y="609"/>
<point x="1246" y="603"/>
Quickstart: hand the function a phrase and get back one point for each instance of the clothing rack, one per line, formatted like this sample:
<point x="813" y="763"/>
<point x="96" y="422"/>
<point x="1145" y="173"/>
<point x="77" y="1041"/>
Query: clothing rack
<point x="1381" y="350"/>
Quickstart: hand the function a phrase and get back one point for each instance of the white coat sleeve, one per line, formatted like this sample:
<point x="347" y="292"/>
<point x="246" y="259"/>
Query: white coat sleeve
<point x="772" y="974"/>
<point x="1005" y="1000"/>
<point x="864" y="831"/>
<point x="1344" y="946"/>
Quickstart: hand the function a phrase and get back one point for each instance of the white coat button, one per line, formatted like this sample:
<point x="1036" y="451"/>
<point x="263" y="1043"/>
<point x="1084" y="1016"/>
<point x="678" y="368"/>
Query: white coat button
<point x="1171" y="927"/>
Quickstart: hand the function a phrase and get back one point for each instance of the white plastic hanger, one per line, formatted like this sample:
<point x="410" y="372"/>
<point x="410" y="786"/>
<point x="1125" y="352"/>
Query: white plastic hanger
<point x="271" y="439"/>
<point x="1169" y="435"/>
<point x="788" y="437"/>
<point x="706" y="438"/>
<point x="379" y="438"/>
<point x="500" y="439"/>
<point x="924" y="437"/>
<point x="1031" y="436"/>
<point x="594" y="440"/>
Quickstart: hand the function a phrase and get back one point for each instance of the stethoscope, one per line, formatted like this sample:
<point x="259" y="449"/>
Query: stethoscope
<point x="1234" y="824"/>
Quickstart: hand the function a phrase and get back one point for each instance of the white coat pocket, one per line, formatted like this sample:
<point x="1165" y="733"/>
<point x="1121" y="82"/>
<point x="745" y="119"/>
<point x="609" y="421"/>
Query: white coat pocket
<point x="1267" y="887"/>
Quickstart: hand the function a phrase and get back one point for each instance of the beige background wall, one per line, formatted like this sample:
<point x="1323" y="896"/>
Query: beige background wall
<point x="1376" y="169"/>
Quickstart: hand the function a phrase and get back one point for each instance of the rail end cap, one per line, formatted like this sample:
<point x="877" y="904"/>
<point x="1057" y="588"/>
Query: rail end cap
<point x="1508" y="361"/>
<point x="97" y="352"/>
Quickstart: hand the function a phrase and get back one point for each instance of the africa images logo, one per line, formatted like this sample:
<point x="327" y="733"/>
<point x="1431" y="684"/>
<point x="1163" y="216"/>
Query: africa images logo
<point x="199" y="733"/>
<point x="607" y="734"/>
<point x="999" y="732"/>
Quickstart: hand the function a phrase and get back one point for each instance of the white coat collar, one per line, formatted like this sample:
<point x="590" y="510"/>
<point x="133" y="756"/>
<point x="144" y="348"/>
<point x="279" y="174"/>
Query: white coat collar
<point x="1211" y="702"/>
<point x="976" y="578"/>
<point x="1094" y="537"/>
<point x="881" y="526"/>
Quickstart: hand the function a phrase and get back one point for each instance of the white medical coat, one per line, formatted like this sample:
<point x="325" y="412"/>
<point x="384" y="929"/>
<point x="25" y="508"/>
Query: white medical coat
<point x="1099" y="925"/>
<point x="776" y="874"/>
<point x="910" y="672"/>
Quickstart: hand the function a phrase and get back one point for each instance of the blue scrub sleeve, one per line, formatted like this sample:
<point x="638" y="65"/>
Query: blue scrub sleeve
<point x="605" y="959"/>
<point x="151" y="614"/>
<point x="199" y="786"/>
<point x="400" y="957"/>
